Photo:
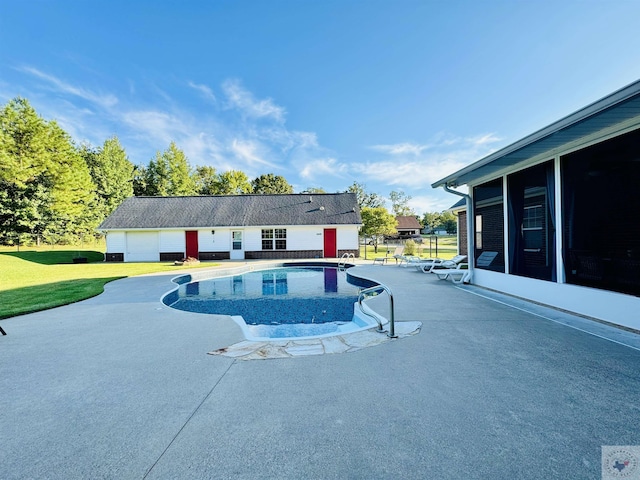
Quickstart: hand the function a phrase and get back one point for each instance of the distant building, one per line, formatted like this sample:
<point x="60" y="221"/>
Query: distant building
<point x="237" y="227"/>
<point x="408" y="226"/>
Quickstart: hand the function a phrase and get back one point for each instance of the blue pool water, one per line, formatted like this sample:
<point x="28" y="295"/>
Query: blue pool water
<point x="278" y="302"/>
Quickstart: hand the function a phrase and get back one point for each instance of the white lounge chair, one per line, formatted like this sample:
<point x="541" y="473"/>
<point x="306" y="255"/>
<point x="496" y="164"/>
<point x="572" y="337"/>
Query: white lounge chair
<point x="460" y="274"/>
<point x="409" y="261"/>
<point x="396" y="255"/>
<point x="437" y="264"/>
<point x="429" y="262"/>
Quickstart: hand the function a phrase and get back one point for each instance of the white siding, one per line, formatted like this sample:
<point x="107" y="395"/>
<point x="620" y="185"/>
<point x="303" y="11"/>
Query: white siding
<point x="305" y="238"/>
<point x="146" y="246"/>
<point x="347" y="238"/>
<point x="172" y="241"/>
<point x="116" y="242"/>
<point x="252" y="237"/>
<point x="219" y="241"/>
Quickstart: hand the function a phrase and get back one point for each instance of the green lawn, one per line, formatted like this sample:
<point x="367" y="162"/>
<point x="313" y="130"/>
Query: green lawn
<point x="447" y="248"/>
<point x="38" y="279"/>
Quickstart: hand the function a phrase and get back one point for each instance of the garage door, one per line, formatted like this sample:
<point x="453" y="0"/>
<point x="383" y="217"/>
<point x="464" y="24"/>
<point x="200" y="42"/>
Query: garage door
<point x="142" y="247"/>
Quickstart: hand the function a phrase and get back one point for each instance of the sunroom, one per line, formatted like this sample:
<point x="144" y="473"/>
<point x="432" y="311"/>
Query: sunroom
<point x="559" y="211"/>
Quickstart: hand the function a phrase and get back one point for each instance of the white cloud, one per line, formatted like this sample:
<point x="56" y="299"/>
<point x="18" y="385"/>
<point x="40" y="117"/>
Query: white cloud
<point x="249" y="152"/>
<point x="103" y="100"/>
<point x="314" y="169"/>
<point x="417" y="166"/>
<point x="484" y="139"/>
<point x="154" y="125"/>
<point x="401" y="148"/>
<point x="151" y="118"/>
<point x="203" y="148"/>
<point x="204" y="90"/>
<point x="433" y="201"/>
<point x="243" y="100"/>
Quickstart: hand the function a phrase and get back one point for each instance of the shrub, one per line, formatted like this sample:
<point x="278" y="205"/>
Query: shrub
<point x="410" y="247"/>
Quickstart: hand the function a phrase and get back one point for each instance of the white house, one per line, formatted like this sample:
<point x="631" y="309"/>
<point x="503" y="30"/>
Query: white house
<point x="151" y="229"/>
<point x="559" y="210"/>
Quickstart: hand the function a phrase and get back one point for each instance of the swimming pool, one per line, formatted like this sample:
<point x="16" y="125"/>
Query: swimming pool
<point x="283" y="302"/>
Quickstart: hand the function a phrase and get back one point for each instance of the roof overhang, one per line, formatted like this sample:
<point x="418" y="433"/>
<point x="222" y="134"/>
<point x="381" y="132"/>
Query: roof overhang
<point x="613" y="115"/>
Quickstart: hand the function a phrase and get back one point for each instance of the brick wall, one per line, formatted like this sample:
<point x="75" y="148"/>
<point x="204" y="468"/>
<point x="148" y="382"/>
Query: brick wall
<point x="462" y="233"/>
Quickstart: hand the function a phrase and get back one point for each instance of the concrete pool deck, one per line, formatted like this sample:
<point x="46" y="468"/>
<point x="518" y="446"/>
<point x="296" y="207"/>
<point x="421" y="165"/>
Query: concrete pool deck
<point x="120" y="386"/>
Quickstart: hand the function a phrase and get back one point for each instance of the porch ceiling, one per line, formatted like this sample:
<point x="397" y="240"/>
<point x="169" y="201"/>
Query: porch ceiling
<point x="614" y="113"/>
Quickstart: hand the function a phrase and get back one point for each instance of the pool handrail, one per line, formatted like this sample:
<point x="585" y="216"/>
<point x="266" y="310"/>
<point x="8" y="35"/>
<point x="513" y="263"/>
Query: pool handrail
<point x="344" y="259"/>
<point x="392" y="332"/>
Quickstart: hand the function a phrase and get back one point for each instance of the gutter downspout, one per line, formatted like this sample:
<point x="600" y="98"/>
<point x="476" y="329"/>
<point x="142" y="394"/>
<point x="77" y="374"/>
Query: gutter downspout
<point x="470" y="233"/>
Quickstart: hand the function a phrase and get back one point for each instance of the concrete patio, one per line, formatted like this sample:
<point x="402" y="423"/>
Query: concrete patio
<point x="122" y="387"/>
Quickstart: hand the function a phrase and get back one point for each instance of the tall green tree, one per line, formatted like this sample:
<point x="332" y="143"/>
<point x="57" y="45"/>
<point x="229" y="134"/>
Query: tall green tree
<point x="23" y="149"/>
<point x="180" y="172"/>
<point x="314" y="190"/>
<point x="400" y="203"/>
<point x="365" y="199"/>
<point x="46" y="185"/>
<point x="169" y="174"/>
<point x="72" y="190"/>
<point x="23" y="161"/>
<point x="112" y="173"/>
<point x="156" y="177"/>
<point x="206" y="180"/>
<point x="377" y="222"/>
<point x="271" y="183"/>
<point x="139" y="180"/>
<point x="431" y="220"/>
<point x="23" y="212"/>
<point x="233" y="182"/>
<point x="449" y="222"/>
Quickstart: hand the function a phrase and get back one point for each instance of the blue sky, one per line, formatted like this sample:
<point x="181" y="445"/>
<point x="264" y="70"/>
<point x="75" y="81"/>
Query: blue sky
<point x="392" y="94"/>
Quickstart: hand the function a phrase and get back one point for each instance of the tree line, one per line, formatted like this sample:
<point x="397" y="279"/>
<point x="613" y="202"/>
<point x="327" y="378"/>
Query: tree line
<point x="55" y="191"/>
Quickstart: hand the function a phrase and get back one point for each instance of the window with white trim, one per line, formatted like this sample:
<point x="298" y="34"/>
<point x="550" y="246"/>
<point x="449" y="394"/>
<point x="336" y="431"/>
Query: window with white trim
<point x="274" y="239"/>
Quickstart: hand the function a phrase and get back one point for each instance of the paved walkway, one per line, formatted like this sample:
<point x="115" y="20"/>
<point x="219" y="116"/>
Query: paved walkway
<point x="121" y="387"/>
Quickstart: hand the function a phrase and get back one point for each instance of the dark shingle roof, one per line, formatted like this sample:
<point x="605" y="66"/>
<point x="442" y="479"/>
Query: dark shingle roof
<point x="407" y="221"/>
<point x="234" y="211"/>
<point x="459" y="205"/>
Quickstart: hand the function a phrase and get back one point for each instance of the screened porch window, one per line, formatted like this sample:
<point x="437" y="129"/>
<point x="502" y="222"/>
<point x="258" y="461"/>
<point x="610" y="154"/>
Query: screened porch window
<point x="488" y="204"/>
<point x="601" y="208"/>
<point x="531" y="222"/>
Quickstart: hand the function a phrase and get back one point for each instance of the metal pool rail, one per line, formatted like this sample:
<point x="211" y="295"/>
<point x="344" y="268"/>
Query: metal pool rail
<point x="377" y="288"/>
<point x="344" y="259"/>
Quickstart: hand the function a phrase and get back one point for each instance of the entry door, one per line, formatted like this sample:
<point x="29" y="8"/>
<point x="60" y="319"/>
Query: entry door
<point x="192" y="243"/>
<point x="237" y="245"/>
<point x="330" y="250"/>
